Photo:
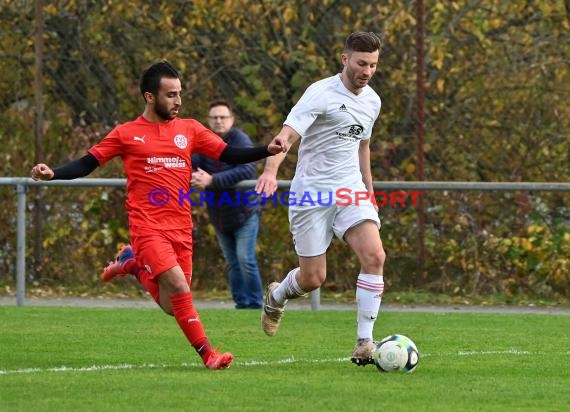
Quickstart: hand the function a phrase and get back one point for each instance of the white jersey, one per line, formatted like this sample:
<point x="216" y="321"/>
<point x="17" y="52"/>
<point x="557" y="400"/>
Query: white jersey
<point x="332" y="121"/>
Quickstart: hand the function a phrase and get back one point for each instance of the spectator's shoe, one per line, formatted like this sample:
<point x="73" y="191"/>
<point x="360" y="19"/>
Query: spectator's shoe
<point x="363" y="352"/>
<point x="272" y="311"/>
<point x="117" y="268"/>
<point x="218" y="360"/>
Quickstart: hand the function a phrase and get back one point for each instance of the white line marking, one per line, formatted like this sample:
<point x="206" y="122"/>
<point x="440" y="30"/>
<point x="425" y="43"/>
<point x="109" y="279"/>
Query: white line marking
<point x="250" y="363"/>
<point x="495" y="352"/>
<point x="96" y="368"/>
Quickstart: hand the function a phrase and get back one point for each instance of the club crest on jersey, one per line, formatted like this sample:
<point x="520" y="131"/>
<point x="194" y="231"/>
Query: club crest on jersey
<point x="180" y="141"/>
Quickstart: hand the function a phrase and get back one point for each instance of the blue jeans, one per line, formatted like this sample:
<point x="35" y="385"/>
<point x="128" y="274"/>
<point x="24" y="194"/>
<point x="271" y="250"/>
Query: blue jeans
<point x="243" y="274"/>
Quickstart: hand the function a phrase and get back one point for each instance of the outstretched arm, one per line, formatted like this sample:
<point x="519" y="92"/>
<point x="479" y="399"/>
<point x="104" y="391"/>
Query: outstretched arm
<point x="240" y="155"/>
<point x="71" y="170"/>
<point x="267" y="181"/>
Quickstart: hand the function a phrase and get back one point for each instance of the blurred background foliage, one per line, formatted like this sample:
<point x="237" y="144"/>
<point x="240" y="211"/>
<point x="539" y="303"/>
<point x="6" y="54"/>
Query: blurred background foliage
<point x="497" y="109"/>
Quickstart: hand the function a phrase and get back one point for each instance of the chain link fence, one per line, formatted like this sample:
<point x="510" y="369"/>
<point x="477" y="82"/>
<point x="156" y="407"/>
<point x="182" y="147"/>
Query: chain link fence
<point x="496" y="110"/>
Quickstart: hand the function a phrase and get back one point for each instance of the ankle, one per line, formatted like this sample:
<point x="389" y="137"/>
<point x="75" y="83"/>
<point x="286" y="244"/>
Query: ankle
<point x="205" y="350"/>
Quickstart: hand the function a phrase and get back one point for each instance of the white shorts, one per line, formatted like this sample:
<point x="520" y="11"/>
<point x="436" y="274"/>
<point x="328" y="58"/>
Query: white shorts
<point x="313" y="227"/>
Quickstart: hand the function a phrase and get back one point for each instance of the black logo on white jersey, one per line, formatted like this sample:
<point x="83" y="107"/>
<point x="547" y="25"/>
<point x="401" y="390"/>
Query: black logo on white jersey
<point x="342" y="108"/>
<point x="355" y="129"/>
<point x="351" y="133"/>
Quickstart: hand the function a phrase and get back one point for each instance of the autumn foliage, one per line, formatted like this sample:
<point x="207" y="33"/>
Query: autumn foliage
<point x="497" y="109"/>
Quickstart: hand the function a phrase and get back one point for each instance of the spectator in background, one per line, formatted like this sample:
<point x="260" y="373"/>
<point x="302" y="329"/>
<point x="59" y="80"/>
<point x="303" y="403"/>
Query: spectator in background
<point x="236" y="222"/>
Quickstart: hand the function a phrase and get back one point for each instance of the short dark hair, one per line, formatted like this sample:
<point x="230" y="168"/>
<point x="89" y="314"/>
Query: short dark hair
<point x="220" y="102"/>
<point x="361" y="41"/>
<point x="150" y="81"/>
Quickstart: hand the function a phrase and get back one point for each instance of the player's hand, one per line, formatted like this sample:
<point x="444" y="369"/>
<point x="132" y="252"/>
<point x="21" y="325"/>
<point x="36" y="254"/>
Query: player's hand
<point x="278" y="145"/>
<point x="42" y="171"/>
<point x="266" y="183"/>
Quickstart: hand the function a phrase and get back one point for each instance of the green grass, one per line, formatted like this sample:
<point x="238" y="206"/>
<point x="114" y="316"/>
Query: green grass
<point x="94" y="359"/>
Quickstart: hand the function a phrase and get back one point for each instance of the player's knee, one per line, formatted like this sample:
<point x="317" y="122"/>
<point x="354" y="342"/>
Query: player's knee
<point x="311" y="280"/>
<point x="374" y="260"/>
<point x="180" y="287"/>
<point x="381" y="257"/>
<point x="311" y="285"/>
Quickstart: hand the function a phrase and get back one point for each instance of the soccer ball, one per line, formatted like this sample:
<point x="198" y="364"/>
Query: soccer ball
<point x="396" y="353"/>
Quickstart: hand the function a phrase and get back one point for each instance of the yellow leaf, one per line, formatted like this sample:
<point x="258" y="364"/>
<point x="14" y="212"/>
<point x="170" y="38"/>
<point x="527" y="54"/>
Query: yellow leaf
<point x="439" y="84"/>
<point x="289" y="14"/>
<point x="51" y="9"/>
<point x="525" y="244"/>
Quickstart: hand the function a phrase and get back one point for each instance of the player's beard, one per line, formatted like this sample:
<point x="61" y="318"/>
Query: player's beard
<point x="163" y="112"/>
<point x="354" y="80"/>
<point x="358" y="83"/>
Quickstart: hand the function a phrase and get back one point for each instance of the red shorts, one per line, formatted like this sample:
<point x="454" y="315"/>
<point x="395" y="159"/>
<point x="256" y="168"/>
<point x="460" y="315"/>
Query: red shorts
<point x="160" y="250"/>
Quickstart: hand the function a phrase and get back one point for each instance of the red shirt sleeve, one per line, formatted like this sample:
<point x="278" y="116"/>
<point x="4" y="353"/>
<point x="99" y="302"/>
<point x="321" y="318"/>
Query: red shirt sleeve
<point x="207" y="142"/>
<point x="107" y="148"/>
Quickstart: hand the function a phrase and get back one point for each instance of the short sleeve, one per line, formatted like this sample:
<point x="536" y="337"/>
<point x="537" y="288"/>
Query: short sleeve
<point x="305" y="112"/>
<point x="206" y="142"/>
<point x="107" y="148"/>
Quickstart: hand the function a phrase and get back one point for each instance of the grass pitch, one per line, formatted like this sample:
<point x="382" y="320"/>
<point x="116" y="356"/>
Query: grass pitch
<point x="99" y="359"/>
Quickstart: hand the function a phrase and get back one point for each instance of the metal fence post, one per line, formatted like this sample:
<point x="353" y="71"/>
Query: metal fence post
<point x="21" y="190"/>
<point x="316" y="299"/>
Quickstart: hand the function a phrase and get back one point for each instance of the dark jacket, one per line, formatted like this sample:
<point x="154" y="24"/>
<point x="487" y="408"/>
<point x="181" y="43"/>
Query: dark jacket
<point x="228" y="210"/>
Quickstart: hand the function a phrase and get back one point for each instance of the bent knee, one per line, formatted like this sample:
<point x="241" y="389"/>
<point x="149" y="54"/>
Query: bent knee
<point x="310" y="281"/>
<point x="374" y="261"/>
<point x="381" y="256"/>
<point x="173" y="287"/>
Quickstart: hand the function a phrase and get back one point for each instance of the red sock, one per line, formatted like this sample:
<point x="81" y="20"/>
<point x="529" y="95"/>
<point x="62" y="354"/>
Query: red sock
<point x="150" y="285"/>
<point x="131" y="266"/>
<point x="190" y="323"/>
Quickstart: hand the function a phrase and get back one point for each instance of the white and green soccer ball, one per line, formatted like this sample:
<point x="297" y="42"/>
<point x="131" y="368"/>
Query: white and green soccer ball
<point x="396" y="353"/>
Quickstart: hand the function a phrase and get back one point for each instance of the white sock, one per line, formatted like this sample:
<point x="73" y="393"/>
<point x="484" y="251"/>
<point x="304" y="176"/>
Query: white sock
<point x="369" y="289"/>
<point x="288" y="289"/>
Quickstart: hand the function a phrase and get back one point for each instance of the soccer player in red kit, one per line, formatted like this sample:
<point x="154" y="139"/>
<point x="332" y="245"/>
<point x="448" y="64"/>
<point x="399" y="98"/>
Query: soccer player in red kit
<point x="156" y="151"/>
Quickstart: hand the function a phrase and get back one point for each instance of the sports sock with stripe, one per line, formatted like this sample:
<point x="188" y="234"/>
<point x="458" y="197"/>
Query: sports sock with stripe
<point x="369" y="290"/>
<point x="289" y="288"/>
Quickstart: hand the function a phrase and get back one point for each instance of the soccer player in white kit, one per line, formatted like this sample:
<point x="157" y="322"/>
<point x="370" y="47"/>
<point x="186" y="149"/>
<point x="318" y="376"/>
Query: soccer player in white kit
<point x="334" y="120"/>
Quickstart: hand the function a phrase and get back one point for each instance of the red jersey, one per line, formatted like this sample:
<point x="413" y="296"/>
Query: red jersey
<point x="157" y="161"/>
